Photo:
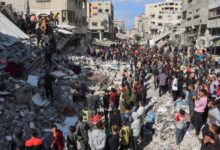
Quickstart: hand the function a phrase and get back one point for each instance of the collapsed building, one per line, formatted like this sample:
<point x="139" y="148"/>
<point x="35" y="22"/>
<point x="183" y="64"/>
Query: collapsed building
<point x="23" y="104"/>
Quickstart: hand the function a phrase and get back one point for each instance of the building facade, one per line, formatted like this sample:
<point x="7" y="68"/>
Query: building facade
<point x="162" y="16"/>
<point x="137" y="21"/>
<point x="195" y="16"/>
<point x="214" y="17"/>
<point x="100" y="19"/>
<point x="141" y="24"/>
<point x="119" y="25"/>
<point x="71" y="12"/>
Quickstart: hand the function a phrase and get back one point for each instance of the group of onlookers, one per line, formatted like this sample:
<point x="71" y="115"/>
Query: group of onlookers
<point x="189" y="78"/>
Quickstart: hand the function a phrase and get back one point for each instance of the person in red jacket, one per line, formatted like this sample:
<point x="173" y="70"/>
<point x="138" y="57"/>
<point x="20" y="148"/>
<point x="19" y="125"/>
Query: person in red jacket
<point x="57" y="135"/>
<point x="34" y="143"/>
<point x="138" y="88"/>
<point x="114" y="98"/>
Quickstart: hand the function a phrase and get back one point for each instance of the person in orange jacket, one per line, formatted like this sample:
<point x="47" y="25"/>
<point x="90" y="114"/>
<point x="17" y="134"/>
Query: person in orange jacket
<point x="34" y="143"/>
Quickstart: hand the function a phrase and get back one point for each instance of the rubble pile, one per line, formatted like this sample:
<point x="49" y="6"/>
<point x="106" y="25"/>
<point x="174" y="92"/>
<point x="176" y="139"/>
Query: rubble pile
<point x="23" y="104"/>
<point x="164" y="136"/>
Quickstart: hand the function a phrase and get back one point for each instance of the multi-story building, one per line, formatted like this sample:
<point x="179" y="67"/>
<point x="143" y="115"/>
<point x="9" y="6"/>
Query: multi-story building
<point x="214" y="17"/>
<point x="71" y="12"/>
<point x="100" y="18"/>
<point x="119" y="25"/>
<point x="194" y="21"/>
<point x="195" y="16"/>
<point x="163" y="15"/>
<point x="141" y="24"/>
<point x="137" y="21"/>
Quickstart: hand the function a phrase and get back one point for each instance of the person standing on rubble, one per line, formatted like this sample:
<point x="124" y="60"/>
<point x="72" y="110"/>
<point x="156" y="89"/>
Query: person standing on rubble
<point x="180" y="119"/>
<point x="162" y="83"/>
<point x="39" y="33"/>
<point x="175" y="87"/>
<point x="105" y="100"/>
<point x="56" y="18"/>
<point x="48" y="85"/>
<point x="75" y="91"/>
<point x="136" y="128"/>
<point x="82" y="134"/>
<point x="48" y="54"/>
<point x="114" y="98"/>
<point x="57" y="136"/>
<point x="22" y="24"/>
<point x="72" y="139"/>
<point x="92" y="103"/>
<point x="18" y="143"/>
<point x="199" y="111"/>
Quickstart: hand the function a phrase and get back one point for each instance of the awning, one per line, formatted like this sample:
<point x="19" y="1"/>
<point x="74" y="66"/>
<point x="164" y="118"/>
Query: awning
<point x="64" y="31"/>
<point x="217" y="43"/>
<point x="215" y="37"/>
<point x="9" y="32"/>
<point x="67" y="27"/>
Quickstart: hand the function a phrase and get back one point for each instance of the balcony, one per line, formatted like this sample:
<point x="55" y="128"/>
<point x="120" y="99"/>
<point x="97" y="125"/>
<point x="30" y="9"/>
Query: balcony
<point x="214" y="23"/>
<point x="98" y="27"/>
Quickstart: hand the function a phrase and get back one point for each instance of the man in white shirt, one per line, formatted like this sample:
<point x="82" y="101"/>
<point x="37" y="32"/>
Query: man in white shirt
<point x="175" y="88"/>
<point x="140" y="110"/>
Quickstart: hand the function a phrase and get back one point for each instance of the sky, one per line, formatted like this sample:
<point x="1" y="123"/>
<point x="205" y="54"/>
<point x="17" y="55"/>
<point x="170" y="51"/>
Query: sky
<point x="128" y="9"/>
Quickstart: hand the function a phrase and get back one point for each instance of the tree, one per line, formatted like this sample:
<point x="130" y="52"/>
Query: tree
<point x="137" y="37"/>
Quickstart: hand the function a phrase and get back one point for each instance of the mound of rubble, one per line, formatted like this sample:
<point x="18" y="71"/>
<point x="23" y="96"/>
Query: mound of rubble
<point x="23" y="104"/>
<point x="164" y="136"/>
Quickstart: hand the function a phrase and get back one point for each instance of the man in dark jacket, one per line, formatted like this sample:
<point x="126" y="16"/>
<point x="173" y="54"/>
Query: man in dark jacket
<point x="22" y="24"/>
<point x="115" y="118"/>
<point x="39" y="33"/>
<point x="57" y="135"/>
<point x="72" y="139"/>
<point x="162" y="83"/>
<point x="81" y="131"/>
<point x="48" y="85"/>
<point x="18" y="143"/>
<point x="209" y="142"/>
<point x="106" y="104"/>
<point x="92" y="103"/>
<point x="114" y="139"/>
<point x="34" y="143"/>
<point x="48" y="54"/>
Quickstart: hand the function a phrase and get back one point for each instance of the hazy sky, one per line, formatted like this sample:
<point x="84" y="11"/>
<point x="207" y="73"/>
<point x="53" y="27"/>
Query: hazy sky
<point x="128" y="9"/>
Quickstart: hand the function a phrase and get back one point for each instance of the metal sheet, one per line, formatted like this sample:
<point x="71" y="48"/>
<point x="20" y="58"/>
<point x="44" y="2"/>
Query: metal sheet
<point x="9" y="32"/>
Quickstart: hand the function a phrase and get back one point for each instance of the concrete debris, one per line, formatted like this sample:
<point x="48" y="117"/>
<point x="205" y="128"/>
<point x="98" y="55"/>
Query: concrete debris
<point x="32" y="126"/>
<point x="23" y="100"/>
<point x="164" y="125"/>
<point x="39" y="101"/>
<point x="58" y="74"/>
<point x="2" y="100"/>
<point x="33" y="80"/>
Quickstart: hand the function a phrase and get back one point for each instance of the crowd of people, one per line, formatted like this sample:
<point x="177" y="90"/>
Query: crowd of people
<point x="186" y="73"/>
<point x="28" y="23"/>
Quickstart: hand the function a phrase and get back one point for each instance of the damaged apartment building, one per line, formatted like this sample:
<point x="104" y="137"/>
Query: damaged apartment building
<point x="23" y="103"/>
<point x="201" y="20"/>
<point x="100" y="18"/>
<point x="71" y="15"/>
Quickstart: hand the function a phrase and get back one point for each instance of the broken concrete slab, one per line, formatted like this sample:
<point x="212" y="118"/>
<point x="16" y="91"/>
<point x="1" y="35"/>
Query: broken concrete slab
<point x="58" y="74"/>
<point x="33" y="80"/>
<point x="37" y="100"/>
